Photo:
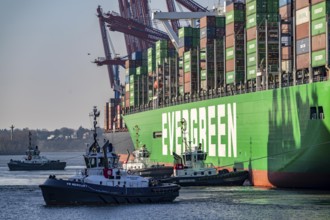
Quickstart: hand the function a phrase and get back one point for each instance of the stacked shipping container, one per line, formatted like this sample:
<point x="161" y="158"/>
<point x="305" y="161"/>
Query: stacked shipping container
<point x="285" y="12"/>
<point x="235" y="20"/>
<point x="112" y="115"/>
<point x="212" y="33"/>
<point x="302" y="34"/>
<point x="262" y="34"/>
<point x="151" y="72"/>
<point x="165" y="70"/>
<point x="188" y="41"/>
<point x="142" y="78"/>
<point x="319" y="26"/>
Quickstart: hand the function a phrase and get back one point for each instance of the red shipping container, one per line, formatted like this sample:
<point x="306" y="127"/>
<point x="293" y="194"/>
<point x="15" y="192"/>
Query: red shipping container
<point x="205" y="41"/>
<point x="316" y="1"/>
<point x="251" y="33"/>
<point x="181" y="51"/>
<point x="187" y="77"/>
<point x="235" y="28"/>
<point x="319" y="42"/>
<point x="207" y="21"/>
<point x="286" y="53"/>
<point x="302" y="31"/>
<point x="187" y="87"/>
<point x="230" y="41"/>
<point x="230" y="64"/>
<point x="302" y="61"/>
<point x="181" y="80"/>
<point x="229" y="7"/>
<point x="301" y="4"/>
<point x="203" y="65"/>
<point x="285" y="12"/>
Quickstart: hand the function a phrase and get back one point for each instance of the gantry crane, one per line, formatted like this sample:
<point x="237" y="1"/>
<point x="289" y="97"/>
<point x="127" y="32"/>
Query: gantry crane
<point x="135" y="22"/>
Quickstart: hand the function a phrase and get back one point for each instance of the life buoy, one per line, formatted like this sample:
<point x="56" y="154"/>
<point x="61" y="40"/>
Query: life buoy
<point x="129" y="172"/>
<point x="107" y="173"/>
<point x="29" y="157"/>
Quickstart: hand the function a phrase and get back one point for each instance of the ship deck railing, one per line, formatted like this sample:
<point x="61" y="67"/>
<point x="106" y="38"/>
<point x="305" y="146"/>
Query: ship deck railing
<point x="217" y="93"/>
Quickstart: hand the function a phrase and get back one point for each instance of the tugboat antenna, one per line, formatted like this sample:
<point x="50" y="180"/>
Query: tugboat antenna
<point x="12" y="132"/>
<point x="30" y="145"/>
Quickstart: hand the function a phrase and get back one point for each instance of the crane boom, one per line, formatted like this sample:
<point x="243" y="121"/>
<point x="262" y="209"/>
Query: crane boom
<point x="171" y="8"/>
<point x="105" y="44"/>
<point x="192" y="6"/>
<point x="133" y="28"/>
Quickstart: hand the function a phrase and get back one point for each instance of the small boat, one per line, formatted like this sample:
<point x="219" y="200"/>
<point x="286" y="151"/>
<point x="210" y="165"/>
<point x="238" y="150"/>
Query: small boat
<point x="191" y="170"/>
<point x="33" y="161"/>
<point x="141" y="164"/>
<point x="104" y="182"/>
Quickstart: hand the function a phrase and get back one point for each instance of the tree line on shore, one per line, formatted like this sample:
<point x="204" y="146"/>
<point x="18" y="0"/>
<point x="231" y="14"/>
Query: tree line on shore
<point x="64" y="139"/>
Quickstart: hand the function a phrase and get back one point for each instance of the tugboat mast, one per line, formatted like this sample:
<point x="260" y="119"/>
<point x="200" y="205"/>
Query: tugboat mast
<point x="30" y="142"/>
<point x="95" y="114"/>
<point x="183" y="129"/>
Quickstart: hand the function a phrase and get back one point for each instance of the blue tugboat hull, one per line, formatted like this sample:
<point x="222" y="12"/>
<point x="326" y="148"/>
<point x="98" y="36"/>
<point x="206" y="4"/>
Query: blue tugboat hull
<point x="225" y="179"/>
<point x="52" y="165"/>
<point x="64" y="192"/>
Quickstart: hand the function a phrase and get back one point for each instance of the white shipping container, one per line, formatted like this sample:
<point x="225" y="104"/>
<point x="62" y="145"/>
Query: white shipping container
<point x="287" y="65"/>
<point x="302" y="16"/>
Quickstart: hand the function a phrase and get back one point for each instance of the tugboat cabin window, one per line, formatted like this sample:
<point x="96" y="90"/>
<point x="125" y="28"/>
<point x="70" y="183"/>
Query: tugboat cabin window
<point x="92" y="162"/>
<point x="101" y="162"/>
<point x="187" y="157"/>
<point x="201" y="156"/>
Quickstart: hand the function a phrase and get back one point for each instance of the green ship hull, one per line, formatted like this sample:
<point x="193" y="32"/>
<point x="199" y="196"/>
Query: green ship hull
<point x="281" y="136"/>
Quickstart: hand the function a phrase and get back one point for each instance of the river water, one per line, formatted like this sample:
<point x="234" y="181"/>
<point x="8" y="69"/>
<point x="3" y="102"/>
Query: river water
<point x="21" y="198"/>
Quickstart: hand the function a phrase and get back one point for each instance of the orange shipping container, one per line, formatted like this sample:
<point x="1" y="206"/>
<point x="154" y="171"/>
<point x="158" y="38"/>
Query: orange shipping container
<point x="301" y="4"/>
<point x="230" y="64"/>
<point x="302" y="61"/>
<point x="319" y="42"/>
<point x="302" y="31"/>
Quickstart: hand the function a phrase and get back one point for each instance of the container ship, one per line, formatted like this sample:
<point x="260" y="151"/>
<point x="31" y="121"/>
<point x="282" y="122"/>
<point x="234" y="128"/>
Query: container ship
<point x="253" y="86"/>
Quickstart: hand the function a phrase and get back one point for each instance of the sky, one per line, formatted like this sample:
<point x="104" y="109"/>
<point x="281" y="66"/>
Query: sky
<point x="47" y="79"/>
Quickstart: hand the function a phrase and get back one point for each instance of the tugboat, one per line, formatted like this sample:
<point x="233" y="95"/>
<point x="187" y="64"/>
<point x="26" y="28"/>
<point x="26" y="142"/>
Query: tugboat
<point x="141" y="164"/>
<point x="191" y="169"/>
<point x="33" y="161"/>
<point x="103" y="182"/>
